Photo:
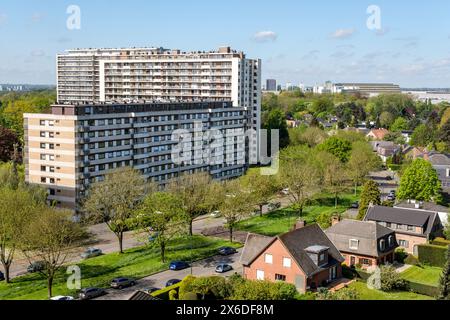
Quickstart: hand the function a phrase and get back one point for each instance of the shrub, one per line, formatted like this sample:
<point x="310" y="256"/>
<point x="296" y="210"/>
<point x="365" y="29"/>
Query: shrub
<point x="412" y="260"/>
<point x="173" y="295"/>
<point x="391" y="280"/>
<point x="164" y="294"/>
<point x="347" y="272"/>
<point x="432" y="255"/>
<point x="343" y="294"/>
<point x="264" y="290"/>
<point x="424" y="289"/>
<point x="400" y="255"/>
<point x="217" y="286"/>
<point x="440" y="242"/>
<point x="186" y="286"/>
<point x="189" y="296"/>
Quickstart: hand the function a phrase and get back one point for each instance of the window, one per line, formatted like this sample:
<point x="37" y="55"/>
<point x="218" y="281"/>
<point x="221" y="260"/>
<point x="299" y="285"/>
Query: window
<point x="42" y="122"/>
<point x="42" y="145"/>
<point x="410" y="228"/>
<point x="42" y="134"/>
<point x="321" y="257"/>
<point x="268" y="258"/>
<point x="353" y="244"/>
<point x="259" y="275"/>
<point x="382" y="245"/>
<point x="389" y="225"/>
<point x="43" y="168"/>
<point x="403" y="243"/>
<point x="280" y="277"/>
<point x="391" y="241"/>
<point x="287" y="262"/>
<point x="43" y="180"/>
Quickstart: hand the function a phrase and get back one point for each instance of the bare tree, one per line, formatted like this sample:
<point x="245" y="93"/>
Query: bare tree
<point x="50" y="237"/>
<point x="114" y="199"/>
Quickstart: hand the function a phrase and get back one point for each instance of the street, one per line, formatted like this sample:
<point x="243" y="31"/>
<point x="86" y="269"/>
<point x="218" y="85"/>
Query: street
<point x="204" y="267"/>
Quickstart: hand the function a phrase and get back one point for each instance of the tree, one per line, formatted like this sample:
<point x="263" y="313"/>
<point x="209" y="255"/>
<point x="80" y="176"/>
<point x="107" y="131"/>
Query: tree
<point x="51" y="237"/>
<point x="235" y="203"/>
<point x="114" y="199"/>
<point x="8" y="142"/>
<point x="386" y="119"/>
<point x="161" y="213"/>
<point x="444" y="282"/>
<point x="261" y="187"/>
<point x="400" y="124"/>
<point x="445" y="117"/>
<point x="338" y="147"/>
<point x="276" y="120"/>
<point x="423" y="136"/>
<point x="311" y="136"/>
<point x="362" y="161"/>
<point x="300" y="175"/>
<point x="444" y="134"/>
<point x="420" y="182"/>
<point x="333" y="175"/>
<point x="17" y="207"/>
<point x="371" y="194"/>
<point x="194" y="192"/>
<point x="391" y="279"/>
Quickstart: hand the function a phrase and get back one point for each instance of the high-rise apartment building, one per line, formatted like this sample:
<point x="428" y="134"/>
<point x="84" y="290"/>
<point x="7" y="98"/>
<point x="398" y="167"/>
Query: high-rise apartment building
<point x="76" y="145"/>
<point x="157" y="74"/>
<point x="271" y="85"/>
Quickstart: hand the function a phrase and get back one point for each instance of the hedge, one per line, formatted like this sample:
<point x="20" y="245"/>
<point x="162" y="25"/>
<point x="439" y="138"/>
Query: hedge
<point x="441" y="242"/>
<point x="164" y="294"/>
<point x="432" y="255"/>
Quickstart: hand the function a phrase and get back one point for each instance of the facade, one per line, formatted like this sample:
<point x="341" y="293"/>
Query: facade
<point x="304" y="257"/>
<point x="366" y="89"/>
<point x="412" y="227"/>
<point x="77" y="145"/>
<point x="377" y="134"/>
<point x="158" y="74"/>
<point x="442" y="211"/>
<point x="271" y="85"/>
<point x="363" y="243"/>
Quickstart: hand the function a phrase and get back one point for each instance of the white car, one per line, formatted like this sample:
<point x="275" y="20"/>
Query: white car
<point x="215" y="214"/>
<point x="62" y="298"/>
<point x="285" y="191"/>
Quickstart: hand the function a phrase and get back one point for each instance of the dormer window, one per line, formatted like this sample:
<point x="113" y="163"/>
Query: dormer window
<point x="391" y="241"/>
<point x="353" y="244"/>
<point x="382" y="245"/>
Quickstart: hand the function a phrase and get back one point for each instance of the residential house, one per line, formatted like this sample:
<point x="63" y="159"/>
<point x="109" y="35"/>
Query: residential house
<point x="439" y="161"/>
<point x="377" y="134"/>
<point x="304" y="257"/>
<point x="364" y="243"/>
<point x="442" y="211"/>
<point x="412" y="227"/>
<point x="407" y="135"/>
<point x="385" y="149"/>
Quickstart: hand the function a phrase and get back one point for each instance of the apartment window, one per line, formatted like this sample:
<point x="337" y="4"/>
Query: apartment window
<point x="403" y="243"/>
<point x="42" y="122"/>
<point x="43" y="180"/>
<point x="52" y="180"/>
<point x="353" y="244"/>
<point x="51" y="146"/>
<point x="43" y="157"/>
<point x="43" y="168"/>
<point x="268" y="258"/>
<point x="287" y="262"/>
<point x="280" y="277"/>
<point x="42" y="134"/>
<point x="42" y="145"/>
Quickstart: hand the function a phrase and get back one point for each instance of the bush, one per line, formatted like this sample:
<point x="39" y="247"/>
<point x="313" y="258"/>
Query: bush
<point x="164" y="294"/>
<point x="412" y="260"/>
<point x="440" y="242"/>
<point x="343" y="294"/>
<point x="264" y="290"/>
<point x="424" y="289"/>
<point x="173" y="295"/>
<point x="189" y="296"/>
<point x="347" y="272"/>
<point x="432" y="255"/>
<point x="400" y="255"/>
<point x="391" y="280"/>
<point x="186" y="286"/>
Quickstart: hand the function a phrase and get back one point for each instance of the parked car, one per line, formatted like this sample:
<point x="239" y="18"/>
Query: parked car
<point x="393" y="193"/>
<point x="215" y="214"/>
<point x="274" y="206"/>
<point x="226" y="251"/>
<point x="391" y="197"/>
<point x="178" y="265"/>
<point x="285" y="191"/>
<point x="355" y="205"/>
<point x="153" y="237"/>
<point x="90" y="293"/>
<point x="120" y="283"/>
<point x="90" y="253"/>
<point x="2" y="276"/>
<point x="171" y="282"/>
<point x="62" y="298"/>
<point x="150" y="290"/>
<point x="36" y="266"/>
<point x="222" y="268"/>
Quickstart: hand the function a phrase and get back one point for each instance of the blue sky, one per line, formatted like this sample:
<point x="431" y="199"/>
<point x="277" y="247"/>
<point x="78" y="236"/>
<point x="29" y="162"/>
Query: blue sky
<point x="299" y="41"/>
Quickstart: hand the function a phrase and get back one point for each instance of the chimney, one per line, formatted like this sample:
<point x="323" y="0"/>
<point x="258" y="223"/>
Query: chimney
<point x="335" y="219"/>
<point x="299" y="224"/>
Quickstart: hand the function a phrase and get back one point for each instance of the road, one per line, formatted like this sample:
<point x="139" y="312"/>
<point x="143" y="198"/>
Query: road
<point x="387" y="180"/>
<point x="204" y="267"/>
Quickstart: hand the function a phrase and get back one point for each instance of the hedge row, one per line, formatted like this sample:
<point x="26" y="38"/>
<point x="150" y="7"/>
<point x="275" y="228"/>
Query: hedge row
<point x="432" y="255"/>
<point x="441" y="242"/>
<point x="163" y="294"/>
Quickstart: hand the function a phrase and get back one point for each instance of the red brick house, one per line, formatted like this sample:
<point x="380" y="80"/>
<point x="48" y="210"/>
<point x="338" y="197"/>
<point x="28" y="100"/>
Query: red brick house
<point x="304" y="257"/>
<point x="364" y="243"/>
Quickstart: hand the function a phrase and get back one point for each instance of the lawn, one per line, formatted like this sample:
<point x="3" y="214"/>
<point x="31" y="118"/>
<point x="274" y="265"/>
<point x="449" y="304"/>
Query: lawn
<point x="424" y="275"/>
<point x="135" y="263"/>
<point x="369" y="294"/>
<point x="281" y="221"/>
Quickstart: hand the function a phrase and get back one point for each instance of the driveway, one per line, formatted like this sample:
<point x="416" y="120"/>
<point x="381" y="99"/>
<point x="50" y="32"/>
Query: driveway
<point x="204" y="267"/>
<point x="387" y="181"/>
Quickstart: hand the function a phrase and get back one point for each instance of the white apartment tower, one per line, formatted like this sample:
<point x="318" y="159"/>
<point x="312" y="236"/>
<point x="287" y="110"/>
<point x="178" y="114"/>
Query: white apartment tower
<point x="158" y="74"/>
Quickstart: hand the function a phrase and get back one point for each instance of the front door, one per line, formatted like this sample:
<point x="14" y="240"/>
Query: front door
<point x="352" y="261"/>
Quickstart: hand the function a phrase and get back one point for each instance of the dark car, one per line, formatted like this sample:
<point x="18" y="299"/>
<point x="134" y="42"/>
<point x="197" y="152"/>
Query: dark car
<point x="226" y="251"/>
<point x="36" y="266"/>
<point x="150" y="290"/>
<point x="90" y="293"/>
<point x="222" y="268"/>
<point x="120" y="283"/>
<point x="171" y="282"/>
<point x="393" y="193"/>
<point x="178" y="265"/>
<point x="2" y="276"/>
<point x="355" y="205"/>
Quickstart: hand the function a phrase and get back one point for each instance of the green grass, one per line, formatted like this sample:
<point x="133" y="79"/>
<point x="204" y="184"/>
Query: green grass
<point x="424" y="275"/>
<point x="281" y="221"/>
<point x="135" y="263"/>
<point x="369" y="294"/>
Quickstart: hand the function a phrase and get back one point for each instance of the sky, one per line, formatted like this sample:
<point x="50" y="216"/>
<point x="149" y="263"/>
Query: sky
<point x="298" y="41"/>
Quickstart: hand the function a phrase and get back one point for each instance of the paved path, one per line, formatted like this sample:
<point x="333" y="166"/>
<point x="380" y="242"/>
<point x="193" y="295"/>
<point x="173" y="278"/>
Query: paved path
<point x="204" y="267"/>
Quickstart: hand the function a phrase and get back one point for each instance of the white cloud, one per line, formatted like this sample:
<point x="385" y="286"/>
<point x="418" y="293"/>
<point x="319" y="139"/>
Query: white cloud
<point x="343" y="33"/>
<point x="265" y="36"/>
